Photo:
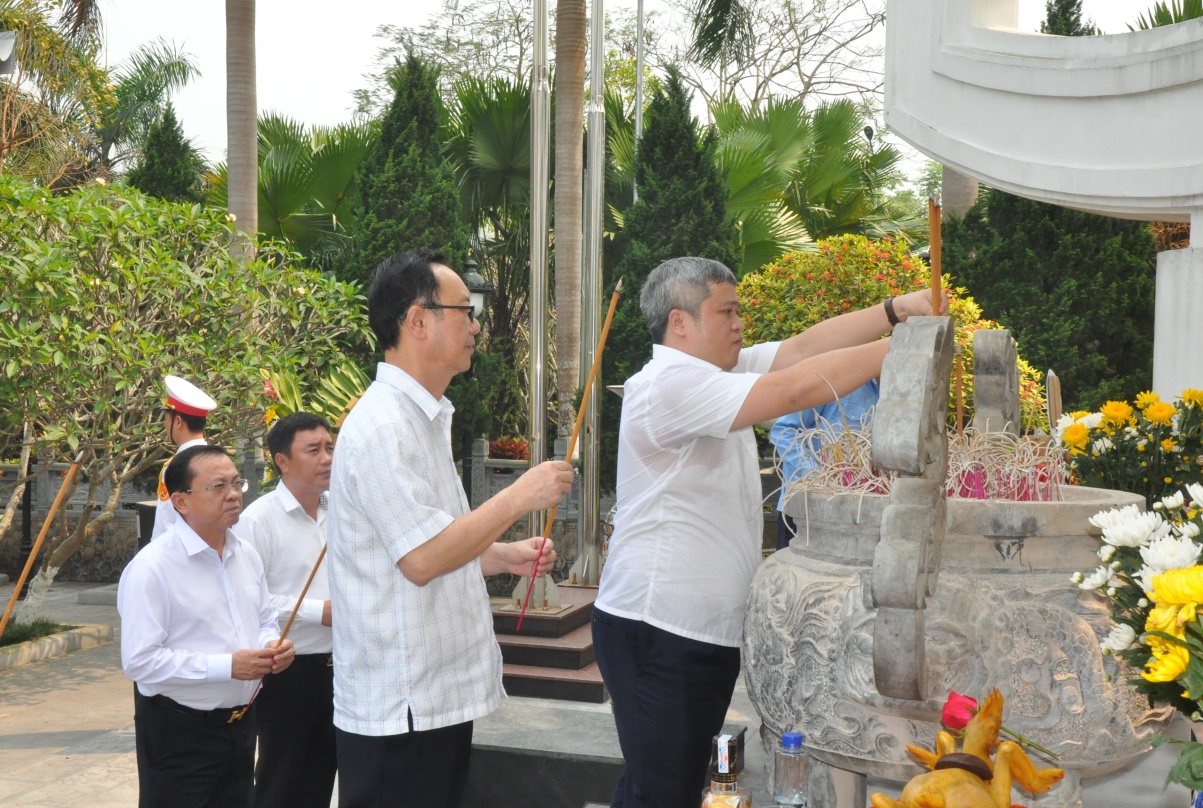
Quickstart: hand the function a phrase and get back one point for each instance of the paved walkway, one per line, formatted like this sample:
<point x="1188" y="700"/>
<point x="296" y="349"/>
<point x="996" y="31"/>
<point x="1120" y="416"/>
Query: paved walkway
<point x="67" y="738"/>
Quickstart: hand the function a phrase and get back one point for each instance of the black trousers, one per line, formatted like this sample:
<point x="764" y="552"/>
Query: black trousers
<point x="414" y="770"/>
<point x="297" y="757"/>
<point x="189" y="761"/>
<point x="670" y="695"/>
<point x="786" y="530"/>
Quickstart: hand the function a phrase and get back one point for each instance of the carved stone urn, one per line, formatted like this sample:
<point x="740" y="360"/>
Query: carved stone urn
<point x="881" y="605"/>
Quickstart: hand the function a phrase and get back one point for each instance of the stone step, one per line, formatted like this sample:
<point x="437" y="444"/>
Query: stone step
<point x="577" y="599"/>
<point x="555" y="683"/>
<point x="573" y="651"/>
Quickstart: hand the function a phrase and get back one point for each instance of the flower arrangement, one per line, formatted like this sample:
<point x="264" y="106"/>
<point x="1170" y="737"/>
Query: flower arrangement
<point x="1150" y="447"/>
<point x="1150" y="573"/>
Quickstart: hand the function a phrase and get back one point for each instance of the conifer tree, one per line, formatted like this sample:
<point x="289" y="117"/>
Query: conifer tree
<point x="408" y="197"/>
<point x="169" y="167"/>
<point x="1075" y="289"/>
<point x="681" y="211"/>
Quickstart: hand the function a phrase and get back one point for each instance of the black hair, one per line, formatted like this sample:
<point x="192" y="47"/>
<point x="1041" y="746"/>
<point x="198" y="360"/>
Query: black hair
<point x="401" y="281"/>
<point x="178" y="475"/>
<point x="284" y="431"/>
<point x="195" y="423"/>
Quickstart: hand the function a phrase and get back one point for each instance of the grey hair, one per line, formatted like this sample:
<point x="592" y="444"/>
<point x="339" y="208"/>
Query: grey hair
<point x="679" y="283"/>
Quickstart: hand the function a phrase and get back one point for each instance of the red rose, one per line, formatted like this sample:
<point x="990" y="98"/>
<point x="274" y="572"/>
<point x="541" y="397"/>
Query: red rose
<point x="958" y="710"/>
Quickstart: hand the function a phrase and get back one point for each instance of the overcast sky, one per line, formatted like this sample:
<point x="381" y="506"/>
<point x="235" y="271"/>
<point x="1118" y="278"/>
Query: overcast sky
<point x="312" y="55"/>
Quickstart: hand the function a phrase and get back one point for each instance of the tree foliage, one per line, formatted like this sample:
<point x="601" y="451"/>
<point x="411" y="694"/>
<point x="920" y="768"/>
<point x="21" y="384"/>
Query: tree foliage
<point x="1064" y="18"/>
<point x="1168" y="12"/>
<point x="847" y="273"/>
<point x="105" y="291"/>
<point x="1075" y="289"/>
<point x="681" y="211"/>
<point x="407" y="195"/>
<point x="169" y="168"/>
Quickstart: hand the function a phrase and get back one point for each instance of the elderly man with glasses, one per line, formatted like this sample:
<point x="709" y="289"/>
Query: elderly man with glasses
<point x="198" y="632"/>
<point x="415" y="658"/>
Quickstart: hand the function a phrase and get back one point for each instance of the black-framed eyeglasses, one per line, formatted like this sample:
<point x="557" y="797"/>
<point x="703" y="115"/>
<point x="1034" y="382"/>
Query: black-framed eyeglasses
<point x="471" y="310"/>
<point x="239" y="484"/>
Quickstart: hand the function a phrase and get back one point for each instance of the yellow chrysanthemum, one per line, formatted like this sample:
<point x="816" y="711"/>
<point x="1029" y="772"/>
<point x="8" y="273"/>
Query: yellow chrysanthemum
<point x="1179" y="587"/>
<point x="1168" y="445"/>
<point x="1116" y="412"/>
<point x="1168" y="663"/>
<point x="1078" y="415"/>
<point x="1165" y="619"/>
<point x="1076" y="436"/>
<point x="1192" y="397"/>
<point x="1161" y="413"/>
<point x="1146" y="398"/>
<point x="269" y="416"/>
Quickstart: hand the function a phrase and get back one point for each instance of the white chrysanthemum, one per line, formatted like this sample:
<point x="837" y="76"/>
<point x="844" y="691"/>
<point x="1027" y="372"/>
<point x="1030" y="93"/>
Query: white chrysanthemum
<point x="1137" y="530"/>
<point x="1062" y="423"/>
<point x="1120" y="638"/>
<point x="1174" y="426"/>
<point x="1091" y="420"/>
<point x="1105" y="519"/>
<point x="1105" y="552"/>
<point x="1169" y="553"/>
<point x="1142" y="603"/>
<point x="1173" y="501"/>
<point x="1195" y="491"/>
<point x="1188" y="530"/>
<point x="1095" y="579"/>
<point x="1102" y="446"/>
<point x="1144" y="578"/>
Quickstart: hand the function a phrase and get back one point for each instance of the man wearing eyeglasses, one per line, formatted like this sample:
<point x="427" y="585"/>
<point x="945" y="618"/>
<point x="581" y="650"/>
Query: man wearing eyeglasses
<point x="415" y="658"/>
<point x="287" y="528"/>
<point x="198" y="632"/>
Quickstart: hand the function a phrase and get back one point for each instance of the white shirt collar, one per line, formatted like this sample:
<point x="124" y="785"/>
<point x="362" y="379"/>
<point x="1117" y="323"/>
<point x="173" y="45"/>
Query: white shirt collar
<point x="289" y="501"/>
<point x="194" y="544"/>
<point x="188" y="444"/>
<point x="667" y="354"/>
<point x="397" y="378"/>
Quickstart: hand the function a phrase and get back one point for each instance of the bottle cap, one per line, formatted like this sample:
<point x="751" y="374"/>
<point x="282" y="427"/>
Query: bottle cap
<point x="792" y="740"/>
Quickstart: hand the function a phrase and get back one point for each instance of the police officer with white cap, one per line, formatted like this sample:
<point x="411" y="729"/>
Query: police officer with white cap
<point x="184" y="419"/>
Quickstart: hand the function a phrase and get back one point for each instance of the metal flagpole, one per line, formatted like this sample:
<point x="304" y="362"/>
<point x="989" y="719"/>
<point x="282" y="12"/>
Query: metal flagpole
<point x="591" y="286"/>
<point x="540" y="138"/>
<point x="638" y="88"/>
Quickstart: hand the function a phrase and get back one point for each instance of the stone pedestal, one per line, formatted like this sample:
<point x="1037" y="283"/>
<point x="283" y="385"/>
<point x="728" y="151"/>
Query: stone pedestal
<point x="1004" y="614"/>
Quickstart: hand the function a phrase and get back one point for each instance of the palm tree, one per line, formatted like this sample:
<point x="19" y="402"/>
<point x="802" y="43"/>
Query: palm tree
<point x="795" y="176"/>
<point x="722" y="31"/>
<point x="242" y="114"/>
<point x="142" y="85"/>
<point x="1169" y="12"/>
<point x="571" y="47"/>
<point x="306" y="180"/>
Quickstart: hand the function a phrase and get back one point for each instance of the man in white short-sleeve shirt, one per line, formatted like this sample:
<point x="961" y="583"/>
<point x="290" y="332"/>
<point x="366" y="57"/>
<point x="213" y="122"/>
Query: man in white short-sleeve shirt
<point x="415" y="658"/>
<point x="668" y="620"/>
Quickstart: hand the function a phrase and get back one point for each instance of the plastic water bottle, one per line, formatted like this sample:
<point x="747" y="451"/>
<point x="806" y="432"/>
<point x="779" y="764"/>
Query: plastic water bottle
<point x="789" y="771"/>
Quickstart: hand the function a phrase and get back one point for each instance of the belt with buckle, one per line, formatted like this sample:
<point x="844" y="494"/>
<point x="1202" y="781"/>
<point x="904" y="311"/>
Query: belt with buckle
<point x="317" y="660"/>
<point x="221" y="715"/>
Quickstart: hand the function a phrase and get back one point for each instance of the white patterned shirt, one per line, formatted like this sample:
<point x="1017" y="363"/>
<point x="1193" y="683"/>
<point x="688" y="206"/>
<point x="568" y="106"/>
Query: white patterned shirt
<point x="289" y="542"/>
<point x="689" y="526"/>
<point x="185" y="611"/>
<point x="399" y="648"/>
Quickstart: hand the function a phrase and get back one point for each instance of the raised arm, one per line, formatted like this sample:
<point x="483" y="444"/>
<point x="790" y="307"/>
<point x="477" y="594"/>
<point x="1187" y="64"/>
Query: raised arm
<point x="853" y="328"/>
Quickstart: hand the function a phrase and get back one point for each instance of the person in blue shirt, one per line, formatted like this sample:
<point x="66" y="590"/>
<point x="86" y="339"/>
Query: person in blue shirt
<point x="799" y="458"/>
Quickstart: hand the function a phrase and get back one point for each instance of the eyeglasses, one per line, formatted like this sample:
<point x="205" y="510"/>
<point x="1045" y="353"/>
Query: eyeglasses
<point x="239" y="485"/>
<point x="471" y="310"/>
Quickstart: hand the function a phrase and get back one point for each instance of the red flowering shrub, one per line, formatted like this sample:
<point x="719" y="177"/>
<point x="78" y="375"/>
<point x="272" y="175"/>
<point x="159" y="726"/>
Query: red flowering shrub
<point x="508" y="449"/>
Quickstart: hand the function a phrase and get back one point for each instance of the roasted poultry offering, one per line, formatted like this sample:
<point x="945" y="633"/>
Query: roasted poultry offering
<point x="975" y="777"/>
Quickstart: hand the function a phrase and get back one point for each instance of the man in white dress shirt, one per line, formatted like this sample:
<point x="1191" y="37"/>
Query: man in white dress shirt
<point x="415" y="657"/>
<point x="287" y="527"/>
<point x="198" y="631"/>
<point x="184" y="414"/>
<point x="668" y="620"/>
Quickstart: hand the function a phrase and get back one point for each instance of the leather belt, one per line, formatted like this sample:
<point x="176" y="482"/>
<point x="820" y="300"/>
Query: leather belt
<point x="221" y="715"/>
<point x="317" y="660"/>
